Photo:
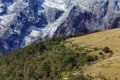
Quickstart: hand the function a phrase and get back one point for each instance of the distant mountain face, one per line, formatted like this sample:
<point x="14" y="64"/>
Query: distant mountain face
<point x="25" y="21"/>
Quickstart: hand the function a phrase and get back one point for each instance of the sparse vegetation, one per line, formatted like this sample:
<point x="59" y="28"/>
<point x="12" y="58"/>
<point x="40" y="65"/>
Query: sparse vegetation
<point x="107" y="50"/>
<point x="90" y="58"/>
<point x="78" y="78"/>
<point x="108" y="60"/>
<point x="100" y="53"/>
<point x="95" y="48"/>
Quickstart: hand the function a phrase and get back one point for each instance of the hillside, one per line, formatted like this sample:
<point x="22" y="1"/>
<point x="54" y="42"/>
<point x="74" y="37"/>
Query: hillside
<point x="90" y="57"/>
<point x="47" y="60"/>
<point x="109" y="68"/>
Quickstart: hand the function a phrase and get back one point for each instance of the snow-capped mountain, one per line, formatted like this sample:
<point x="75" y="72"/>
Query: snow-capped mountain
<point x="25" y="21"/>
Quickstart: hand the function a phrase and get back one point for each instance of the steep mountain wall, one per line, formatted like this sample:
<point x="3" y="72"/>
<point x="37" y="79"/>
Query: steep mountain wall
<point x="25" y="21"/>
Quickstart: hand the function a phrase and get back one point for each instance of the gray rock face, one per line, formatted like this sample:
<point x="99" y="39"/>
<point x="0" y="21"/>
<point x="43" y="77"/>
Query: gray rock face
<point x="86" y="16"/>
<point x="101" y="15"/>
<point x="25" y="21"/>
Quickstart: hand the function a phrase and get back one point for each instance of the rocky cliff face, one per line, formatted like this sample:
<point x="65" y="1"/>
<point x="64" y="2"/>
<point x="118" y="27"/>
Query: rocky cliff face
<point x="25" y="21"/>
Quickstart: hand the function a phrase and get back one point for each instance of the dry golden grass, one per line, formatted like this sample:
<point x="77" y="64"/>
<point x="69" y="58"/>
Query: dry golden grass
<point x="110" y="38"/>
<point x="110" y="67"/>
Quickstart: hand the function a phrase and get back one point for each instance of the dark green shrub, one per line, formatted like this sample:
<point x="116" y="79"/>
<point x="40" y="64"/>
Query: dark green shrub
<point x="90" y="58"/>
<point x="40" y="47"/>
<point x="69" y="62"/>
<point x="107" y="50"/>
<point x="31" y="52"/>
<point x="100" y="53"/>
<point x="95" y="48"/>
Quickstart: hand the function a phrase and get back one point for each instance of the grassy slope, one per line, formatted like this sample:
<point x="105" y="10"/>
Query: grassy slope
<point x="106" y="69"/>
<point x="59" y="59"/>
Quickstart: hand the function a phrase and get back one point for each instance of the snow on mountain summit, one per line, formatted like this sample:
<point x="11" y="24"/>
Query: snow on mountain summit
<point x="58" y="4"/>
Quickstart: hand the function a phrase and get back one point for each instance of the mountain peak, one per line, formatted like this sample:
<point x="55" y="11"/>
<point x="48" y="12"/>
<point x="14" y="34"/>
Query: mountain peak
<point x="25" y="21"/>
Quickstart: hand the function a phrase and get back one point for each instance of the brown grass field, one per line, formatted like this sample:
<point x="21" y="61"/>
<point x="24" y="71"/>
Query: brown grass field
<point x="108" y="69"/>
